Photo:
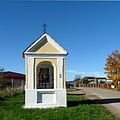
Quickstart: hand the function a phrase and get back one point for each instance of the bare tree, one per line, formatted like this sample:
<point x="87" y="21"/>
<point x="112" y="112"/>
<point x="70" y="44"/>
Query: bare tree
<point x="2" y="69"/>
<point x="77" y="76"/>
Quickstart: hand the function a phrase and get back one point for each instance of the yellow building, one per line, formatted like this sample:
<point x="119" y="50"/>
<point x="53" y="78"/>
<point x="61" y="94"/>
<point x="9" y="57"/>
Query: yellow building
<point x="45" y="74"/>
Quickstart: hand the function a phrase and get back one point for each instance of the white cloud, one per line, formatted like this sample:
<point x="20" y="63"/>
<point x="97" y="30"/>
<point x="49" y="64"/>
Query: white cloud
<point x="97" y="74"/>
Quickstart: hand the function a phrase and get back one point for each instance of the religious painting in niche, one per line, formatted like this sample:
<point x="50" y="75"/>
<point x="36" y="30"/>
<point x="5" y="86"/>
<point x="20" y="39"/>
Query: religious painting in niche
<point x="45" y="77"/>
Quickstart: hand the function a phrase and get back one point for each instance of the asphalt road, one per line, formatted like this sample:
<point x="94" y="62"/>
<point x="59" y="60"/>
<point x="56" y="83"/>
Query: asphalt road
<point x="108" y="98"/>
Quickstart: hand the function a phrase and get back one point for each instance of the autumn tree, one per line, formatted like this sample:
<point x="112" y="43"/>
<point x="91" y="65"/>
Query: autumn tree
<point x="113" y="67"/>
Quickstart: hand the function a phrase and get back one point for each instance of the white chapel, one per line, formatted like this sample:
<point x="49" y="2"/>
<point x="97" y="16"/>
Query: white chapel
<point x="45" y="74"/>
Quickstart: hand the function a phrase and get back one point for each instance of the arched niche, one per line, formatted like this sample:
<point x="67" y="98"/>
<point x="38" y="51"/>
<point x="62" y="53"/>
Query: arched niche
<point x="45" y="75"/>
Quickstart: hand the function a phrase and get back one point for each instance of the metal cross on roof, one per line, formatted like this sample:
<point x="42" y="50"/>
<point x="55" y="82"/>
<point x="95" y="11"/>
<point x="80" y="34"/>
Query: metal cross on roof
<point x="44" y="27"/>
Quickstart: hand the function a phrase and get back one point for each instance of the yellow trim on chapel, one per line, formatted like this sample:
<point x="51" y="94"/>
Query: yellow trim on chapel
<point x="53" y="62"/>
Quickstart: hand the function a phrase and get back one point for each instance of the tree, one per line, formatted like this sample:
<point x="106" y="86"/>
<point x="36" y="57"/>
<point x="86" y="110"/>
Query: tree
<point x="2" y="69"/>
<point x="86" y="81"/>
<point x="77" y="76"/>
<point x="113" y="67"/>
<point x="77" y="79"/>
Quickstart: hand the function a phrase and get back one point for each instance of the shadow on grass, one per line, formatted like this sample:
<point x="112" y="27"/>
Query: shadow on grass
<point x="98" y="101"/>
<point x="1" y="99"/>
<point x="107" y="101"/>
<point x="76" y="103"/>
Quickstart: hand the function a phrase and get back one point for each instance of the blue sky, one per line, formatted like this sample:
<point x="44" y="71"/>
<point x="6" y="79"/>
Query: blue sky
<point x="89" y="31"/>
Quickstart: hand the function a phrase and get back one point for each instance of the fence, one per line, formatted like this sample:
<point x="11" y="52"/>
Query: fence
<point x="97" y="85"/>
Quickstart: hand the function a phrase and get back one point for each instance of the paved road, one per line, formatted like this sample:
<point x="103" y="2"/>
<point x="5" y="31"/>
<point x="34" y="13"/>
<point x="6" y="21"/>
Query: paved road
<point x="110" y="99"/>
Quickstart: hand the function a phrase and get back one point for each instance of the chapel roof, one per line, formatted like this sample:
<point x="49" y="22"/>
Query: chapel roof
<point x="49" y="39"/>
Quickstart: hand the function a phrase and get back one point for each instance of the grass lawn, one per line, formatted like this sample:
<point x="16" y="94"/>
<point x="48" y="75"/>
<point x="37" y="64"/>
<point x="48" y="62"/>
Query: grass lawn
<point x="10" y="109"/>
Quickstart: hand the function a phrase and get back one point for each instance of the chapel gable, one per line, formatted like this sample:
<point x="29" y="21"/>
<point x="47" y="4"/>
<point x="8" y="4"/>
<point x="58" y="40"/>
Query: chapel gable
<point x="45" y="47"/>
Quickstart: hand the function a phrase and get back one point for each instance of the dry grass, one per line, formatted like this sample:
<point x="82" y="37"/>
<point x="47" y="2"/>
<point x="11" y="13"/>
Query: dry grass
<point x="116" y="89"/>
<point x="10" y="92"/>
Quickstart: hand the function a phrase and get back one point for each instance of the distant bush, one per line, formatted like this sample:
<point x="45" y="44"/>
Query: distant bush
<point x="10" y="92"/>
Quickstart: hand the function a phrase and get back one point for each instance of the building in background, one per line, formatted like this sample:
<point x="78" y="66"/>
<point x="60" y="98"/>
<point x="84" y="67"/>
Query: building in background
<point x="12" y="80"/>
<point x="70" y="84"/>
<point x="87" y="80"/>
<point x="93" y="80"/>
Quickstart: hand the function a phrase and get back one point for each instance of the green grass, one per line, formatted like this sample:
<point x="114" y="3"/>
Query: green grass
<point x="10" y="109"/>
<point x="71" y="90"/>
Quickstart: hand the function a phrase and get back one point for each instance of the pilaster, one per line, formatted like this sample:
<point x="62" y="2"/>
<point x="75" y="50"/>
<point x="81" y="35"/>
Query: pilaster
<point x="30" y="73"/>
<point x="60" y="73"/>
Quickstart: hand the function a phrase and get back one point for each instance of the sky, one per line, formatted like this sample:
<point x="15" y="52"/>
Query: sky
<point x="89" y="31"/>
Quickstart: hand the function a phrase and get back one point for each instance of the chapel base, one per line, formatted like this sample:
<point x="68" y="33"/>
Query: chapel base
<point x="45" y="98"/>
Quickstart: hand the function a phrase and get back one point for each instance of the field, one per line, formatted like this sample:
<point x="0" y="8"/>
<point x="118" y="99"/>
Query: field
<point x="78" y="109"/>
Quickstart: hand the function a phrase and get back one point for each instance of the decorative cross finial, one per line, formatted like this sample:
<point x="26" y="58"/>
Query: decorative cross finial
<point x="44" y="27"/>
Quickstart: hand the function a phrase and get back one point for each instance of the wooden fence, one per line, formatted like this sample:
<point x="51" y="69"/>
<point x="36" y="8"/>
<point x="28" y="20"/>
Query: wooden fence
<point x="103" y="85"/>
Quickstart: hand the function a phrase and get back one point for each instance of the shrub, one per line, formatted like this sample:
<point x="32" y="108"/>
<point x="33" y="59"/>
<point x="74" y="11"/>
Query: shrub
<point x="10" y="92"/>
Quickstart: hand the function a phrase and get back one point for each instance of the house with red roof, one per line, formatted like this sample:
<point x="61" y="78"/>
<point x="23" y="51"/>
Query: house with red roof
<point x="12" y="79"/>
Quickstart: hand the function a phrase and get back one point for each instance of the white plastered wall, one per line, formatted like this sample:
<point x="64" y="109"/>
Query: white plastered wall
<point x="58" y="94"/>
